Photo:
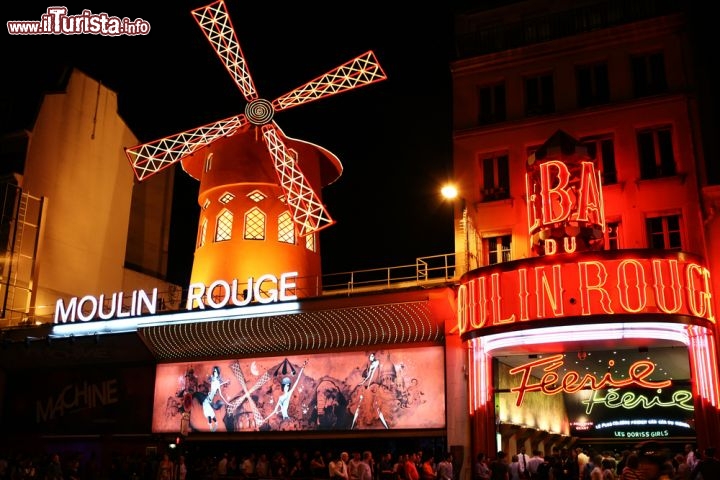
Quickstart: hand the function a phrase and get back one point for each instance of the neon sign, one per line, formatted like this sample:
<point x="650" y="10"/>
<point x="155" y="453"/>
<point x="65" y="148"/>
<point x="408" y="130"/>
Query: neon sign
<point x="551" y="383"/>
<point x="266" y="289"/>
<point x="604" y="285"/>
<point x="682" y="399"/>
<point x="564" y="204"/>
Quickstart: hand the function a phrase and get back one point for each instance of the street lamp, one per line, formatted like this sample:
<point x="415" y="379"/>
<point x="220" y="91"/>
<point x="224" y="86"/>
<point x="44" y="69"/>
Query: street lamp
<point x="451" y="192"/>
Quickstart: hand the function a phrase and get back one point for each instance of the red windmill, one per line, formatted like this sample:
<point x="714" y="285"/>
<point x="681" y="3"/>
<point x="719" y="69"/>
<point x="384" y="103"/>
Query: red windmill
<point x="277" y="197"/>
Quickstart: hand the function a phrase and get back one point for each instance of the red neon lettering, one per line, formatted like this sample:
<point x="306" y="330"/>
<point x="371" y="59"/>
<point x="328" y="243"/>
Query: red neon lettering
<point x="523" y="294"/>
<point x="556" y="200"/>
<point x="660" y="287"/>
<point x="497" y="303"/>
<point x="638" y="285"/>
<point x="590" y="204"/>
<point x="585" y="286"/>
<point x="542" y="285"/>
<point x="572" y="381"/>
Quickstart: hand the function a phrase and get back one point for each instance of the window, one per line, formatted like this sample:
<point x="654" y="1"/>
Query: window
<point x="664" y="232"/>
<point x="539" y="95"/>
<point x="612" y="235"/>
<point x="491" y="104"/>
<point x="226" y="198"/>
<point x="593" y="87"/>
<point x="655" y="150"/>
<point x="223" y="226"/>
<point x="498" y="249"/>
<point x="208" y="162"/>
<point x="602" y="149"/>
<point x="310" y="242"/>
<point x="496" y="178"/>
<point x="286" y="228"/>
<point x="649" y="74"/>
<point x="203" y="232"/>
<point x="254" y="225"/>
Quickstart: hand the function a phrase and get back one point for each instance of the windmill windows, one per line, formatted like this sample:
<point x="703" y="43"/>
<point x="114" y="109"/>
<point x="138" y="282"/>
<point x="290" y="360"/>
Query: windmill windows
<point x="206" y="204"/>
<point x="254" y="225"/>
<point x="226" y="198"/>
<point x="223" y="227"/>
<point x="310" y="242"/>
<point x="203" y="232"/>
<point x="286" y="229"/>
<point x="208" y="162"/>
<point x="256" y="196"/>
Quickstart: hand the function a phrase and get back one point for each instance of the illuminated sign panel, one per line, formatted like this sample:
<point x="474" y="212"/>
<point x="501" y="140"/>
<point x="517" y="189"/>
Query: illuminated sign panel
<point x="635" y="401"/>
<point x="219" y="294"/>
<point x="566" y="286"/>
<point x="368" y="390"/>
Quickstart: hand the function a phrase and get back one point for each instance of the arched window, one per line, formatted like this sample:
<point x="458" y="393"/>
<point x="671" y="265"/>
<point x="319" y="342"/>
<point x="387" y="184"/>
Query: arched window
<point x="223" y="227"/>
<point x="286" y="229"/>
<point x="254" y="224"/>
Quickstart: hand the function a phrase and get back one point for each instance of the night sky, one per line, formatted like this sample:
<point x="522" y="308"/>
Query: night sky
<point x="393" y="137"/>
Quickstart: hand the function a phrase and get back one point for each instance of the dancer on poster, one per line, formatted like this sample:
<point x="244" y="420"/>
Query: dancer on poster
<point x="209" y="405"/>
<point x="283" y="401"/>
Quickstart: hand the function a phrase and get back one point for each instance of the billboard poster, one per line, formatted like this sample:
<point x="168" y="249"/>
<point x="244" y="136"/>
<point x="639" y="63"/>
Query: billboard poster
<point x="363" y="390"/>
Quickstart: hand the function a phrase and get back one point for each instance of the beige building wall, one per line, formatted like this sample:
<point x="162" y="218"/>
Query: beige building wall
<point x="76" y="162"/>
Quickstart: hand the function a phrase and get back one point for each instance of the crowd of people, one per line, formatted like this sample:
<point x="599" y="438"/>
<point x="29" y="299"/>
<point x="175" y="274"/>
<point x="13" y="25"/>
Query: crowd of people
<point x="295" y="464"/>
<point x="647" y="461"/>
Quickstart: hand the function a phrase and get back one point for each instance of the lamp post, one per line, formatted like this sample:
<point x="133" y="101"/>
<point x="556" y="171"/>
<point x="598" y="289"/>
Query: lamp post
<point x="451" y="192"/>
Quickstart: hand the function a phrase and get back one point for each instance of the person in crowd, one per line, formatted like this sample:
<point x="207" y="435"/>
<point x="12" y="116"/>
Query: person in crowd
<point x="653" y="461"/>
<point x="690" y="456"/>
<point x="523" y="459"/>
<point x="630" y="471"/>
<point x="317" y="465"/>
<point x="445" y="467"/>
<point x="166" y="468"/>
<point x="399" y="468"/>
<point x="427" y="468"/>
<point x="365" y="468"/>
<point x="535" y="461"/>
<point x="54" y="468"/>
<point x="337" y="468"/>
<point x="708" y="467"/>
<point x="499" y="467"/>
<point x="514" y="468"/>
<point x="481" y="471"/>
<point x="565" y="467"/>
<point x="608" y="469"/>
<point x="411" y="471"/>
<point x="181" y="470"/>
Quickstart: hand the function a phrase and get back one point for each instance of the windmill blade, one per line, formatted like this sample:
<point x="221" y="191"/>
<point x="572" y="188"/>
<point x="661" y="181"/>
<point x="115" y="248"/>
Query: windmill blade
<point x="215" y="23"/>
<point x="308" y="213"/>
<point x="149" y="158"/>
<point x="358" y="72"/>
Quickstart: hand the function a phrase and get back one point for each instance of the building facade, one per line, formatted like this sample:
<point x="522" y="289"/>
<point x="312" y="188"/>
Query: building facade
<point x="577" y="142"/>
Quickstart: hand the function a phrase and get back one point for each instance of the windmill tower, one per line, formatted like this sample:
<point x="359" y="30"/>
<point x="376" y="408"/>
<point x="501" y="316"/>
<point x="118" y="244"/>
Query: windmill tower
<point x="259" y="189"/>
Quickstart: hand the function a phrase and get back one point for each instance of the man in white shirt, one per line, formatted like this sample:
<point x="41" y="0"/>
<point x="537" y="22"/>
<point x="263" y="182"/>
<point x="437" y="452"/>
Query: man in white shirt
<point x="523" y="459"/>
<point x="535" y="461"/>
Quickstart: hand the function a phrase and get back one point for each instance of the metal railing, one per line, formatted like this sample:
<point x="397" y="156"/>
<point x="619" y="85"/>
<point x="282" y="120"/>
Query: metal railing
<point x="425" y="270"/>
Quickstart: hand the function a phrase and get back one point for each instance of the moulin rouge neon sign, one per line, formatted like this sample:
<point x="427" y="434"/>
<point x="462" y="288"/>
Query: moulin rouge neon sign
<point x="552" y="383"/>
<point x="264" y="290"/>
<point x="598" y="286"/>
